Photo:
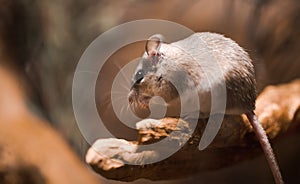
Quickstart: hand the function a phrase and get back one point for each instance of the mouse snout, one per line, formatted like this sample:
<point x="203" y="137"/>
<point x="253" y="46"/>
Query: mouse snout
<point x="132" y="96"/>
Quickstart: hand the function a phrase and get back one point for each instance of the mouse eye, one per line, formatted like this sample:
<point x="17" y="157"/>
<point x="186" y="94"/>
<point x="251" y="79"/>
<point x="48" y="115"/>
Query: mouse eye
<point x="139" y="76"/>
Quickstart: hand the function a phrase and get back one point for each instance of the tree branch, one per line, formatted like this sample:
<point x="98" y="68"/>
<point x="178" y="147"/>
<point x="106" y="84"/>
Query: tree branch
<point x="278" y="110"/>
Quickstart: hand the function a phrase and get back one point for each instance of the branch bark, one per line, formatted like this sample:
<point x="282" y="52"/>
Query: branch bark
<point x="278" y="110"/>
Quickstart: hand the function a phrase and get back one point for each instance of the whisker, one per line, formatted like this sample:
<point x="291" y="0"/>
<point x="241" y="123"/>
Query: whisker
<point x="119" y="92"/>
<point x="127" y="107"/>
<point x="122" y="72"/>
<point x="125" y="87"/>
<point x="118" y="98"/>
<point x="122" y="110"/>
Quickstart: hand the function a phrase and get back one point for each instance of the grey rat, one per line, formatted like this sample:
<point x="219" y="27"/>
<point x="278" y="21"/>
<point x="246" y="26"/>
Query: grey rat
<point x="206" y="63"/>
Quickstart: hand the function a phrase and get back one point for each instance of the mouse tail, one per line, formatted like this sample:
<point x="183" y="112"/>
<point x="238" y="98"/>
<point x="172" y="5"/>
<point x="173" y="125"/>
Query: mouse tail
<point x="266" y="146"/>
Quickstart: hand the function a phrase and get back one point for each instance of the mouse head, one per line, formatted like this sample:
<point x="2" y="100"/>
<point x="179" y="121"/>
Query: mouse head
<point x="150" y="59"/>
<point x="150" y="77"/>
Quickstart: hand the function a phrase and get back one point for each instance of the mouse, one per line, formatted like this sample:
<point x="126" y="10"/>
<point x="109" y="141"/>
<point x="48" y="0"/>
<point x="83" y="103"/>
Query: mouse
<point x="201" y="62"/>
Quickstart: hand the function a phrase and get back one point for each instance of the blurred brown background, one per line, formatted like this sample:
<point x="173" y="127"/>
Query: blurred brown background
<point x="46" y="39"/>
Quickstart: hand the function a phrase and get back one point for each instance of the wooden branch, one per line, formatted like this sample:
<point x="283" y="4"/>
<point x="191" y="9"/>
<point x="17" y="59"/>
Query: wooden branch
<point x="278" y="110"/>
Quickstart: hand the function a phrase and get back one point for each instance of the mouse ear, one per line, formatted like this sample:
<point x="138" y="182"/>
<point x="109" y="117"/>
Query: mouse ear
<point x="153" y="44"/>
